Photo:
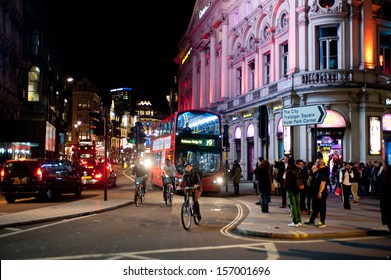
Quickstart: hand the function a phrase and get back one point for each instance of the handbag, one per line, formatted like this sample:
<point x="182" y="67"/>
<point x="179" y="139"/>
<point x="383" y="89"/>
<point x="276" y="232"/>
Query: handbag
<point x="337" y="191"/>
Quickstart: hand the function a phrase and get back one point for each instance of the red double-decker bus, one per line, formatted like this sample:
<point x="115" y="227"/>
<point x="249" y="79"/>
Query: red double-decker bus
<point x="192" y="136"/>
<point x="86" y="149"/>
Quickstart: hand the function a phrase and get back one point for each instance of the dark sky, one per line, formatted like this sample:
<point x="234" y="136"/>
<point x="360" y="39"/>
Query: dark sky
<point x="123" y="43"/>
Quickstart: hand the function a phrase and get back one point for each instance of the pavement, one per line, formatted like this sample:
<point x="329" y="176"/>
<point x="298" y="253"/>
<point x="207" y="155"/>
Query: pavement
<point x="363" y="220"/>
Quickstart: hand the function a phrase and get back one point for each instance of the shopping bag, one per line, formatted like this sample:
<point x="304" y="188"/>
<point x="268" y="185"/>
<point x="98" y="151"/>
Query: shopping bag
<point x="338" y="191"/>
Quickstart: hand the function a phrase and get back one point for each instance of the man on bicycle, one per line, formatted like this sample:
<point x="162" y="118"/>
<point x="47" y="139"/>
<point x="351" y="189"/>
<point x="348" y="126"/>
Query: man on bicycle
<point x="191" y="178"/>
<point x="139" y="170"/>
<point x="169" y="170"/>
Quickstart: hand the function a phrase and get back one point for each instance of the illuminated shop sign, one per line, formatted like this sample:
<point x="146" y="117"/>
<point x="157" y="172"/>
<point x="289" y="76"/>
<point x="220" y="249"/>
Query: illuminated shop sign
<point x="388" y="101"/>
<point x="198" y="142"/>
<point x="247" y="115"/>
<point x="287" y="140"/>
<point x="386" y="122"/>
<point x="374" y="136"/>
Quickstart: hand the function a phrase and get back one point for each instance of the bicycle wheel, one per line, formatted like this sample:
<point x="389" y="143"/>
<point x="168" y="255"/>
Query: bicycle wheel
<point x="167" y="196"/>
<point x="136" y="199"/>
<point x="186" y="215"/>
<point x="171" y="194"/>
<point x="142" y="196"/>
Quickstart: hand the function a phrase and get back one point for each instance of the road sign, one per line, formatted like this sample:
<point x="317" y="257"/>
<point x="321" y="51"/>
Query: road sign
<point x="303" y="115"/>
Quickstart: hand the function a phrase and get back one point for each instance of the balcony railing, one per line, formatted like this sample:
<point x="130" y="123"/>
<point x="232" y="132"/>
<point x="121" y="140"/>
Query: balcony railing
<point x="309" y="81"/>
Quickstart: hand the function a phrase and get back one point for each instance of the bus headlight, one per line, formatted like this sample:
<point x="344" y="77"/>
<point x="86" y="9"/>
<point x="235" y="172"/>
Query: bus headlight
<point x="219" y="180"/>
<point x="147" y="163"/>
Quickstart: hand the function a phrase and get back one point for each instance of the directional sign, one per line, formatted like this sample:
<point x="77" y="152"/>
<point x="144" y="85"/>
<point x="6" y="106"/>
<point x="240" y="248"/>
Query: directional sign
<point x="303" y="115"/>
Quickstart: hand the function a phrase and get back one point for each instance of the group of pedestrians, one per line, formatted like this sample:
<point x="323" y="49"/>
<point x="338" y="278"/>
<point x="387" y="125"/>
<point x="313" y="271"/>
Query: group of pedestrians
<point x="303" y="188"/>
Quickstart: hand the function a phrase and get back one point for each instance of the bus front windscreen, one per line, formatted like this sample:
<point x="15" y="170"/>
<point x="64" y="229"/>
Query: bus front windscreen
<point x="207" y="162"/>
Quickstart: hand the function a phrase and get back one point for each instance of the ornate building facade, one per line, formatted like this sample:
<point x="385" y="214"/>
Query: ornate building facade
<point x="250" y="60"/>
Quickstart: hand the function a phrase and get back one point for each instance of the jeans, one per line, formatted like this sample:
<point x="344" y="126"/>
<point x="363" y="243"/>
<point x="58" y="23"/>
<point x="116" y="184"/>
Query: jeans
<point x="319" y="207"/>
<point x="264" y="198"/>
<point x="294" y="202"/>
<point x="346" y="191"/>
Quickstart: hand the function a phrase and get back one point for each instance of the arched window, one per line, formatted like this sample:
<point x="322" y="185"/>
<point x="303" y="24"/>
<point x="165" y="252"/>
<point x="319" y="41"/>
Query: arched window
<point x="250" y="130"/>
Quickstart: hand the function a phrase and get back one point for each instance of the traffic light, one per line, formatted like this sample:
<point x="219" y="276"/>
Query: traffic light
<point x="226" y="136"/>
<point x="139" y="133"/>
<point x="94" y="122"/>
<point x="132" y="138"/>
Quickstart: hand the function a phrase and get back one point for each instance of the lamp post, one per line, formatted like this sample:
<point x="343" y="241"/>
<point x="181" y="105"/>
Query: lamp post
<point x="77" y="127"/>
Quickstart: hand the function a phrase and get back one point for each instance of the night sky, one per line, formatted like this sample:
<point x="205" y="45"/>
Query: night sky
<point x="115" y="45"/>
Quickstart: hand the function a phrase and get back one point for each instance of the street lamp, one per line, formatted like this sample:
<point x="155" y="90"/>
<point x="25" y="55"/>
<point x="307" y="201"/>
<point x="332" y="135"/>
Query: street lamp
<point x="77" y="127"/>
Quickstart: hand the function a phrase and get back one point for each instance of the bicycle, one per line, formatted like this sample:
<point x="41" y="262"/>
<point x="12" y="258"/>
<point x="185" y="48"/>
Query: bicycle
<point x="169" y="190"/>
<point x="188" y="211"/>
<point x="139" y="194"/>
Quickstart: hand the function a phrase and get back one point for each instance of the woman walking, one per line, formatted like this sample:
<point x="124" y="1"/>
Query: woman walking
<point x="237" y="173"/>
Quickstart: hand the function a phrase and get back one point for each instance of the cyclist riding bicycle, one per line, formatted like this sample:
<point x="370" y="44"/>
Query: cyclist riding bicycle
<point x="168" y="170"/>
<point x="191" y="178"/>
<point x="139" y="170"/>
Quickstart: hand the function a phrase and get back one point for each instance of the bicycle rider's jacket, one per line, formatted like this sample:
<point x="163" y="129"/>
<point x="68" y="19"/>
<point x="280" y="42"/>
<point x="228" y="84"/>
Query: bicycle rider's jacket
<point x="140" y="170"/>
<point x="191" y="178"/>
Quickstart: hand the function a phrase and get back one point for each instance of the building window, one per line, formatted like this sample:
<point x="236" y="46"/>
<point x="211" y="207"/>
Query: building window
<point x="34" y="43"/>
<point x="328" y="48"/>
<point x="266" y="68"/>
<point x="239" y="81"/>
<point x="284" y="59"/>
<point x="33" y="84"/>
<point x="385" y="54"/>
<point x="251" y="75"/>
<point x="266" y="32"/>
<point x="326" y="3"/>
<point x="251" y="43"/>
<point x="283" y="21"/>
<point x="238" y="51"/>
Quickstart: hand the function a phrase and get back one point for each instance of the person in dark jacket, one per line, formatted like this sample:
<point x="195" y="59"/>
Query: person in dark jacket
<point x="293" y="185"/>
<point x="319" y="193"/>
<point x="191" y="178"/>
<point x="264" y="185"/>
<point x="139" y="170"/>
<point x="385" y="198"/>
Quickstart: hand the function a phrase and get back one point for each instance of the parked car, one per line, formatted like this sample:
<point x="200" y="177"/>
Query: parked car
<point x="42" y="179"/>
<point x="91" y="172"/>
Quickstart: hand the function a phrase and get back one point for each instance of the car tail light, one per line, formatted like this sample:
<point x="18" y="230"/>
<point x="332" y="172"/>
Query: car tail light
<point x="39" y="174"/>
<point x="98" y="176"/>
<point x="2" y="173"/>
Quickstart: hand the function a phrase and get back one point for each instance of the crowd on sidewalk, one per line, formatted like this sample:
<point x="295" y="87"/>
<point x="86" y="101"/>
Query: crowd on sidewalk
<point x="305" y="186"/>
